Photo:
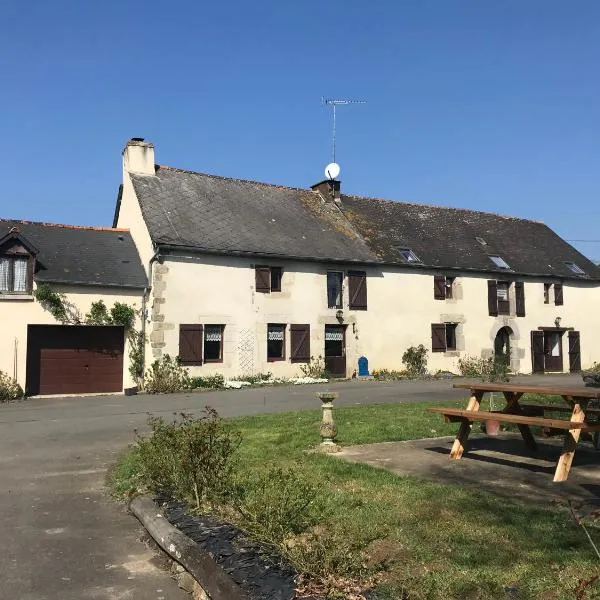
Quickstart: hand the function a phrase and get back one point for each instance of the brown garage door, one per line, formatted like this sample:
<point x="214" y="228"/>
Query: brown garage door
<point x="74" y="359"/>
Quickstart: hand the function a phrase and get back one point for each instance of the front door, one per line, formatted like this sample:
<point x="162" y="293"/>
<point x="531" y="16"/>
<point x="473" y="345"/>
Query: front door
<point x="335" y="350"/>
<point x="553" y="355"/>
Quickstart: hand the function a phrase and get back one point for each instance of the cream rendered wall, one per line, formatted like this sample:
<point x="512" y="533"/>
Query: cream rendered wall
<point x="15" y="315"/>
<point x="401" y="309"/>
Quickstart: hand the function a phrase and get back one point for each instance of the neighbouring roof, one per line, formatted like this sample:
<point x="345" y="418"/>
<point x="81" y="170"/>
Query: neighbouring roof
<point x="218" y="214"/>
<point x="81" y="255"/>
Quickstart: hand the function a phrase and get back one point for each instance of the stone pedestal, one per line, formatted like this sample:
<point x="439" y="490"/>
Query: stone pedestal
<point x="328" y="430"/>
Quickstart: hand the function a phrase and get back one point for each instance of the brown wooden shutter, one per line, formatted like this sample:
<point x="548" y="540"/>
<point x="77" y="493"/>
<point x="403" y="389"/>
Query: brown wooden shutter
<point x="537" y="351"/>
<point x="558" y="294"/>
<point x="574" y="352"/>
<point x="190" y="344"/>
<point x="263" y="279"/>
<point x="357" y="290"/>
<point x="438" y="337"/>
<point x="300" y="343"/>
<point x="493" y="297"/>
<point x="520" y="298"/>
<point x="439" y="287"/>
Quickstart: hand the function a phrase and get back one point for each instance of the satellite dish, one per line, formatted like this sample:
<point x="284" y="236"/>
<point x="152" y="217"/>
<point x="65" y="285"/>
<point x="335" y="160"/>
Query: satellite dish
<point x="332" y="170"/>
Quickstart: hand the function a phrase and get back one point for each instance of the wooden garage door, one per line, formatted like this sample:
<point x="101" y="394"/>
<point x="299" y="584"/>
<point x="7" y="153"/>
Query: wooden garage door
<point x="74" y="359"/>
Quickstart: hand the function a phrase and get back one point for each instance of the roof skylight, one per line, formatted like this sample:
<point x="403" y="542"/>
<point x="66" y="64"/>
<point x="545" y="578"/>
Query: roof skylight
<point x="409" y="255"/>
<point x="575" y="268"/>
<point x="499" y="261"/>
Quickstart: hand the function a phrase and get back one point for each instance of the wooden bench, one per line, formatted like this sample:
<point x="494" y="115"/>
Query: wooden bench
<point x="582" y="419"/>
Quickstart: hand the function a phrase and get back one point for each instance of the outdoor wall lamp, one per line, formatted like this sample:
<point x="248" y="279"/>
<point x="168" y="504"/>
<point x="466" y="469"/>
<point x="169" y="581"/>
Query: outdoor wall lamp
<point x="339" y="315"/>
<point x="557" y="321"/>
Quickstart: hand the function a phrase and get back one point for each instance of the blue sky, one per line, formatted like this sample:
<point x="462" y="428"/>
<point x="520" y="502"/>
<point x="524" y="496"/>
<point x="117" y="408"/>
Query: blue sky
<point x="479" y="104"/>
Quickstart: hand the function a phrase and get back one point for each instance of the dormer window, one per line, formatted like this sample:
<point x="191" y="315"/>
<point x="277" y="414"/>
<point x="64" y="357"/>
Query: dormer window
<point x="17" y="258"/>
<point x="499" y="261"/>
<point x="409" y="256"/>
<point x="575" y="268"/>
<point x="13" y="274"/>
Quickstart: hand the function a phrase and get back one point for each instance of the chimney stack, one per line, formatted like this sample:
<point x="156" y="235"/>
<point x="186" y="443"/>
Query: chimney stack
<point x="138" y="157"/>
<point x="329" y="190"/>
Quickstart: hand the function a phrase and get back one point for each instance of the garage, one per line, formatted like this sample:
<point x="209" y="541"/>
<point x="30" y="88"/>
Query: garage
<point x="74" y="359"/>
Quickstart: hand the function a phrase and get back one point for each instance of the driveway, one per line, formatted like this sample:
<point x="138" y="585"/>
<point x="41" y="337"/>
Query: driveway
<point x="63" y="538"/>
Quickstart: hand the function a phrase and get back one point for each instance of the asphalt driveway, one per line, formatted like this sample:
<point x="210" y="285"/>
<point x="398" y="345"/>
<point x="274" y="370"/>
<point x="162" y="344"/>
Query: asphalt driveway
<point x="63" y="538"/>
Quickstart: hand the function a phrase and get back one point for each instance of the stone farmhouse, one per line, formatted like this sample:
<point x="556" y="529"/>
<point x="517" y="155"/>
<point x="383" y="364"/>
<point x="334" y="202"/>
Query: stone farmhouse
<point x="252" y="277"/>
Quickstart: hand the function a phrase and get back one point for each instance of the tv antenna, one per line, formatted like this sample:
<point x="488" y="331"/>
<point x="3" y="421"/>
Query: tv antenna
<point x="334" y="104"/>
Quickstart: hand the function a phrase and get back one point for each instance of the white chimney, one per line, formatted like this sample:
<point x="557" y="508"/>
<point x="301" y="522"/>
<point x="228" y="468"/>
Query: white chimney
<point x="138" y="157"/>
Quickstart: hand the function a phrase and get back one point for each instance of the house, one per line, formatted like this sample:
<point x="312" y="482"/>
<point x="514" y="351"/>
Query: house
<point x="84" y="264"/>
<point x="252" y="277"/>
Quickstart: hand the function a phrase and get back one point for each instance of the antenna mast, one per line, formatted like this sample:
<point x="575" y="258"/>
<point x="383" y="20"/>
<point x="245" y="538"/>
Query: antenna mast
<point x="334" y="104"/>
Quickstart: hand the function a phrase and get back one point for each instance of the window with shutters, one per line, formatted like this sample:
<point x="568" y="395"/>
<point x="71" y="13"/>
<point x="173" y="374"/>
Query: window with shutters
<point x="334" y="289"/>
<point x="300" y="343"/>
<point x="213" y="343"/>
<point x="190" y="344"/>
<point x="268" y="279"/>
<point x="443" y="287"/>
<point x="357" y="290"/>
<point x="275" y="342"/>
<point x="443" y="337"/>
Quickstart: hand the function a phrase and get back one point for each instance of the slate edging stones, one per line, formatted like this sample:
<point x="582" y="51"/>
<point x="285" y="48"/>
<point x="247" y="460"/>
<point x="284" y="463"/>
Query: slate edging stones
<point x="197" y="562"/>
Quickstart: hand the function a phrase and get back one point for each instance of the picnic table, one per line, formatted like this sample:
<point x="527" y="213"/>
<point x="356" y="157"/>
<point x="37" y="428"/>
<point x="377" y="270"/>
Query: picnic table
<point x="584" y="419"/>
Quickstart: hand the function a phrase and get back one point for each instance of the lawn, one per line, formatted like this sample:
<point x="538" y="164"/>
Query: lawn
<point x="413" y="538"/>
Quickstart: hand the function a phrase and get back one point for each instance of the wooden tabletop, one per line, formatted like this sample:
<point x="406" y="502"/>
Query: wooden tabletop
<point x="554" y="390"/>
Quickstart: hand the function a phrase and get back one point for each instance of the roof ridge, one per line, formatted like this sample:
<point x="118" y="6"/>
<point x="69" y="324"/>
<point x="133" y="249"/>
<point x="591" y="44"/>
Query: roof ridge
<point x="441" y="206"/>
<point x="45" y="224"/>
<point x="254" y="181"/>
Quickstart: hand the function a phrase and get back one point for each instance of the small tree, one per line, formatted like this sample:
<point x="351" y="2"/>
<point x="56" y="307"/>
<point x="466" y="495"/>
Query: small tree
<point x="415" y="360"/>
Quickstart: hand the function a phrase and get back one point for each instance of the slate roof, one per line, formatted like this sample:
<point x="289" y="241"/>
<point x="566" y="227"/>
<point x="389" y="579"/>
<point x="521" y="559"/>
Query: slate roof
<point x="81" y="255"/>
<point x="232" y="216"/>
<point x="244" y="217"/>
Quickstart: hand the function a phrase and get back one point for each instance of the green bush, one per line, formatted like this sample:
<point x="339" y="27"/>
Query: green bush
<point x="254" y="379"/>
<point x="486" y="369"/>
<point x="216" y="381"/>
<point x="190" y="458"/>
<point x="276" y="503"/>
<point x="165" y="376"/>
<point x="389" y="374"/>
<point x="9" y="388"/>
<point x="415" y="360"/>
<point x="315" y="368"/>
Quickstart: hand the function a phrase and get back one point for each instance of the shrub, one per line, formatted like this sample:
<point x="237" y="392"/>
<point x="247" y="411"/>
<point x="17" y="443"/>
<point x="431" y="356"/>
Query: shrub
<point x="315" y="368"/>
<point x="276" y="504"/>
<point x="190" y="458"/>
<point x="253" y="379"/>
<point x="216" y="381"/>
<point x="486" y="369"/>
<point x="9" y="388"/>
<point x="389" y="374"/>
<point x="166" y="375"/>
<point x="415" y="360"/>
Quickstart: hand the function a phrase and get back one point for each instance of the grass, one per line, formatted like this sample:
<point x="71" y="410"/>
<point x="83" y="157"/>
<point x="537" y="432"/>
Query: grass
<point x="425" y="540"/>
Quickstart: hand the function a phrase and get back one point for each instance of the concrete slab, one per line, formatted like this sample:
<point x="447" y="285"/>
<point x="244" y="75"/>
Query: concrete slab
<point x="501" y="465"/>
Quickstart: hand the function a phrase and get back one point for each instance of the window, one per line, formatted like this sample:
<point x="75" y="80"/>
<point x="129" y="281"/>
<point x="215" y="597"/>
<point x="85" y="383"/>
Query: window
<point x="547" y="287"/>
<point x="276" y="273"/>
<point x="409" y="256"/>
<point x="357" y="290"/>
<point x="13" y="274"/>
<point x="499" y="262"/>
<point x="503" y="297"/>
<point x="443" y="337"/>
<point x="575" y="268"/>
<point x="213" y="343"/>
<point x="200" y="343"/>
<point x="275" y="342"/>
<point x="300" y="343"/>
<point x="334" y="289"/>
<point x="268" y="279"/>
<point x="442" y="287"/>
